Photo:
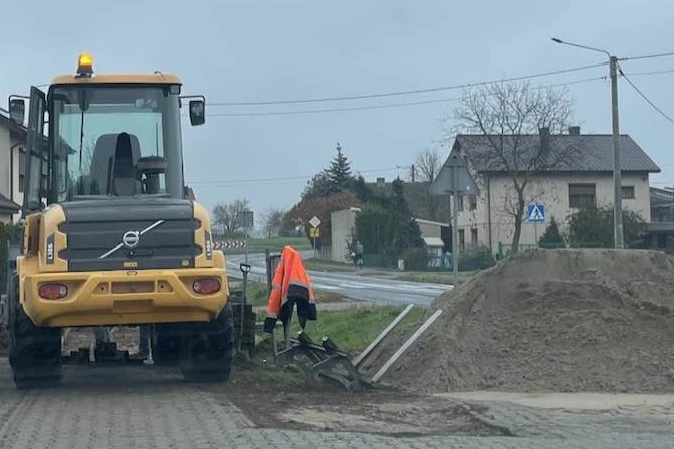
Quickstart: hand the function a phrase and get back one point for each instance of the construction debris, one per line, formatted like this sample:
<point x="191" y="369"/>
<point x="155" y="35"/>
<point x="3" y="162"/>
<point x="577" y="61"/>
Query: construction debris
<point x="325" y="360"/>
<point x="548" y="320"/>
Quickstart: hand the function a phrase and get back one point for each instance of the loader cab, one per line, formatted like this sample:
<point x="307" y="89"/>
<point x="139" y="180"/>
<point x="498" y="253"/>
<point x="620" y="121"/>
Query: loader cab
<point x="107" y="137"/>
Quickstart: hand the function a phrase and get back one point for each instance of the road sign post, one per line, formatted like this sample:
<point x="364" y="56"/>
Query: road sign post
<point x="315" y="222"/>
<point x="535" y="215"/>
<point x="245" y="218"/>
<point x="454" y="179"/>
<point x="314" y="233"/>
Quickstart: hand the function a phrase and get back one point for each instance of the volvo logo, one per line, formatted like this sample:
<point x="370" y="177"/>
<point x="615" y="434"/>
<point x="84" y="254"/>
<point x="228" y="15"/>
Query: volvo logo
<point x="131" y="239"/>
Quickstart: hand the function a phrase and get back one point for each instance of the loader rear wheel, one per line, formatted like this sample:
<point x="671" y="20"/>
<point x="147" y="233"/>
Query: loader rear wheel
<point x="4" y="337"/>
<point x="208" y="349"/>
<point x="34" y="352"/>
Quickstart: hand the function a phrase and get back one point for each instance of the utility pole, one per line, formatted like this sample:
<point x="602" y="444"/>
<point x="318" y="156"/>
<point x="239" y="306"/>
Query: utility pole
<point x="619" y="242"/>
<point x="618" y="238"/>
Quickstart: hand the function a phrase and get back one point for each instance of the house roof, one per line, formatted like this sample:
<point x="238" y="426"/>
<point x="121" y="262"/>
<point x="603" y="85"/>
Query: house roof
<point x="434" y="242"/>
<point x="429" y="222"/>
<point x="7" y="205"/>
<point x="591" y="152"/>
<point x="14" y="128"/>
<point x="661" y="197"/>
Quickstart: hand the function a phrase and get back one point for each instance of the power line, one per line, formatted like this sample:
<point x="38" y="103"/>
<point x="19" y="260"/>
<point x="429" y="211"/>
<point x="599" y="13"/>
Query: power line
<point x="657" y="55"/>
<point x="287" y="178"/>
<point x="408" y="92"/>
<point x="384" y="106"/>
<point x="655" y="72"/>
<point x="642" y="95"/>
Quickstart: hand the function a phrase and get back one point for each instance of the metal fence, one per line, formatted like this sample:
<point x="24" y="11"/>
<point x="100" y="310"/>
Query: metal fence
<point x="505" y="250"/>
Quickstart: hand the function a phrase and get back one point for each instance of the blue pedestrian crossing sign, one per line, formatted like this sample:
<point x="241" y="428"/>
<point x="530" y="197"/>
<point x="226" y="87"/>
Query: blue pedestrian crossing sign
<point x="536" y="213"/>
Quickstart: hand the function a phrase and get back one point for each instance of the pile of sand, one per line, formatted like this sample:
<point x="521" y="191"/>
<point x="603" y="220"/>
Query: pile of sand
<point x="549" y="320"/>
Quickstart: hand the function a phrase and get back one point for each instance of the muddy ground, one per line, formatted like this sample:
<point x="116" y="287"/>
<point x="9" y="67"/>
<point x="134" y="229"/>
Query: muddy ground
<point x="326" y="406"/>
<point x="274" y="397"/>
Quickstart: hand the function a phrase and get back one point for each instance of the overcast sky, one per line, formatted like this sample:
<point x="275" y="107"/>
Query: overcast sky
<point x="253" y="50"/>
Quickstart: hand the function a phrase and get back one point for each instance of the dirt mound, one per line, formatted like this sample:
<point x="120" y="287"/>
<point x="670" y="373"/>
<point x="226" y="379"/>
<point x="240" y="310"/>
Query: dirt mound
<point x="550" y="320"/>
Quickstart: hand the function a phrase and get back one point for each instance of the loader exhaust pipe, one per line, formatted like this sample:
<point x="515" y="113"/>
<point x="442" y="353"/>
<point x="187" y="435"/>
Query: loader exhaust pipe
<point x="151" y="167"/>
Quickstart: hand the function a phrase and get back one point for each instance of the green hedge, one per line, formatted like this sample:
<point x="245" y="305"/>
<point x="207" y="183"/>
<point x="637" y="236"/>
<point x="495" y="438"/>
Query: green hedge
<point x="476" y="258"/>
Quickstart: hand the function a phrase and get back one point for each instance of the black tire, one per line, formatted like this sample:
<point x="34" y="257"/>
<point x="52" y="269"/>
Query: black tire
<point x="166" y="346"/>
<point x="208" y="349"/>
<point x="4" y="335"/>
<point x="34" y="352"/>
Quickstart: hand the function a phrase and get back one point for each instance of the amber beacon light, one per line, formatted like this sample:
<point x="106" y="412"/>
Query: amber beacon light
<point x="85" y="64"/>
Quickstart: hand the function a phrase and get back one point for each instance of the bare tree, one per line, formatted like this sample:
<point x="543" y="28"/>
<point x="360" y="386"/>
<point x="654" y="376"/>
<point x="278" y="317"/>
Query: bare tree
<point x="226" y="217"/>
<point x="504" y="114"/>
<point x="273" y="222"/>
<point x="428" y="165"/>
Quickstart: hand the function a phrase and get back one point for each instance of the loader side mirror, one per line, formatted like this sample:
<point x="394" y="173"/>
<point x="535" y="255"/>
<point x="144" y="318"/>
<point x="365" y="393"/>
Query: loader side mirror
<point x="197" y="112"/>
<point x="17" y="110"/>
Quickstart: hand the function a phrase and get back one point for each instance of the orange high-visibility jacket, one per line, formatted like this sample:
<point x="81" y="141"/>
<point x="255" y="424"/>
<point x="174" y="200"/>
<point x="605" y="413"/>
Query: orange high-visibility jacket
<point x="291" y="285"/>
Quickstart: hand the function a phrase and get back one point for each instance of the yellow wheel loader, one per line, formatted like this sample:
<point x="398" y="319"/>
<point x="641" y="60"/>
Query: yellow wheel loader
<point x="110" y="237"/>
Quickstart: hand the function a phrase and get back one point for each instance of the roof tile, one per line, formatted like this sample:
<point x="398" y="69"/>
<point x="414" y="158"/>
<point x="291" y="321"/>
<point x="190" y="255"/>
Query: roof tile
<point x="595" y="152"/>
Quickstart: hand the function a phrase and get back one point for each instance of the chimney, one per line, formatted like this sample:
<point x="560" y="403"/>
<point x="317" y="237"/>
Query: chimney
<point x="381" y="182"/>
<point x="544" y="134"/>
<point x="574" y="130"/>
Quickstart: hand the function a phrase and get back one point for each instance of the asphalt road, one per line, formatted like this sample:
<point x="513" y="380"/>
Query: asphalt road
<point x="353" y="286"/>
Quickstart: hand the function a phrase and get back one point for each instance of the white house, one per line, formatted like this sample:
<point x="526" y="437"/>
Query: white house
<point x="12" y="163"/>
<point x="585" y="176"/>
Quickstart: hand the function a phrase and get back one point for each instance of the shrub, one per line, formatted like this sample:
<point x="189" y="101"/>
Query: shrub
<point x="476" y="257"/>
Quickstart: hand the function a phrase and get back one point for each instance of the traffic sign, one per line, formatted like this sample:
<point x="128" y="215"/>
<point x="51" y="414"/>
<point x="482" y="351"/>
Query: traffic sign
<point x="229" y="244"/>
<point x="245" y="218"/>
<point x="536" y="213"/>
<point x="454" y="178"/>
<point x="314" y="233"/>
<point x="315" y="222"/>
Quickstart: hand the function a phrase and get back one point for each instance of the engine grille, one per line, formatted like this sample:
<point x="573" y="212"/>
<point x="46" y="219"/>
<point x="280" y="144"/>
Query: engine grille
<point x="90" y="236"/>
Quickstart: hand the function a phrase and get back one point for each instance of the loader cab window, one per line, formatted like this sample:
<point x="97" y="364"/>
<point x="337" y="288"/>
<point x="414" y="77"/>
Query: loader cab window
<point x="121" y="141"/>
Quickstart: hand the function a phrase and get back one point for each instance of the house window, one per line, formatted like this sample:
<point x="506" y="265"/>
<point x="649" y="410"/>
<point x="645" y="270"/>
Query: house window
<point x="473" y="202"/>
<point x="628" y="192"/>
<point x="582" y="195"/>
<point x="22" y="162"/>
<point x="473" y="236"/>
<point x="460" y="203"/>
<point x="462" y="241"/>
<point x="21" y="183"/>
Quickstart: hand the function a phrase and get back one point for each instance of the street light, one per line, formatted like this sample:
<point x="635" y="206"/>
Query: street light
<point x="617" y="181"/>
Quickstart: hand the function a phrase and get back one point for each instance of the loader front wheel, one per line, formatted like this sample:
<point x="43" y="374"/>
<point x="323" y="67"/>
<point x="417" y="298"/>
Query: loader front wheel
<point x="209" y="349"/>
<point x="34" y="352"/>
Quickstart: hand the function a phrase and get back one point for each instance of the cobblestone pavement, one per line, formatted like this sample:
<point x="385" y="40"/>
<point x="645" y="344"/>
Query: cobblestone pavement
<point x="144" y="407"/>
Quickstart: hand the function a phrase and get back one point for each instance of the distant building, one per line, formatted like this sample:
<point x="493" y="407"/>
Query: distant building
<point x="12" y="165"/>
<point x="661" y="227"/>
<point x="343" y="228"/>
<point x="587" y="179"/>
<point x="437" y="237"/>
